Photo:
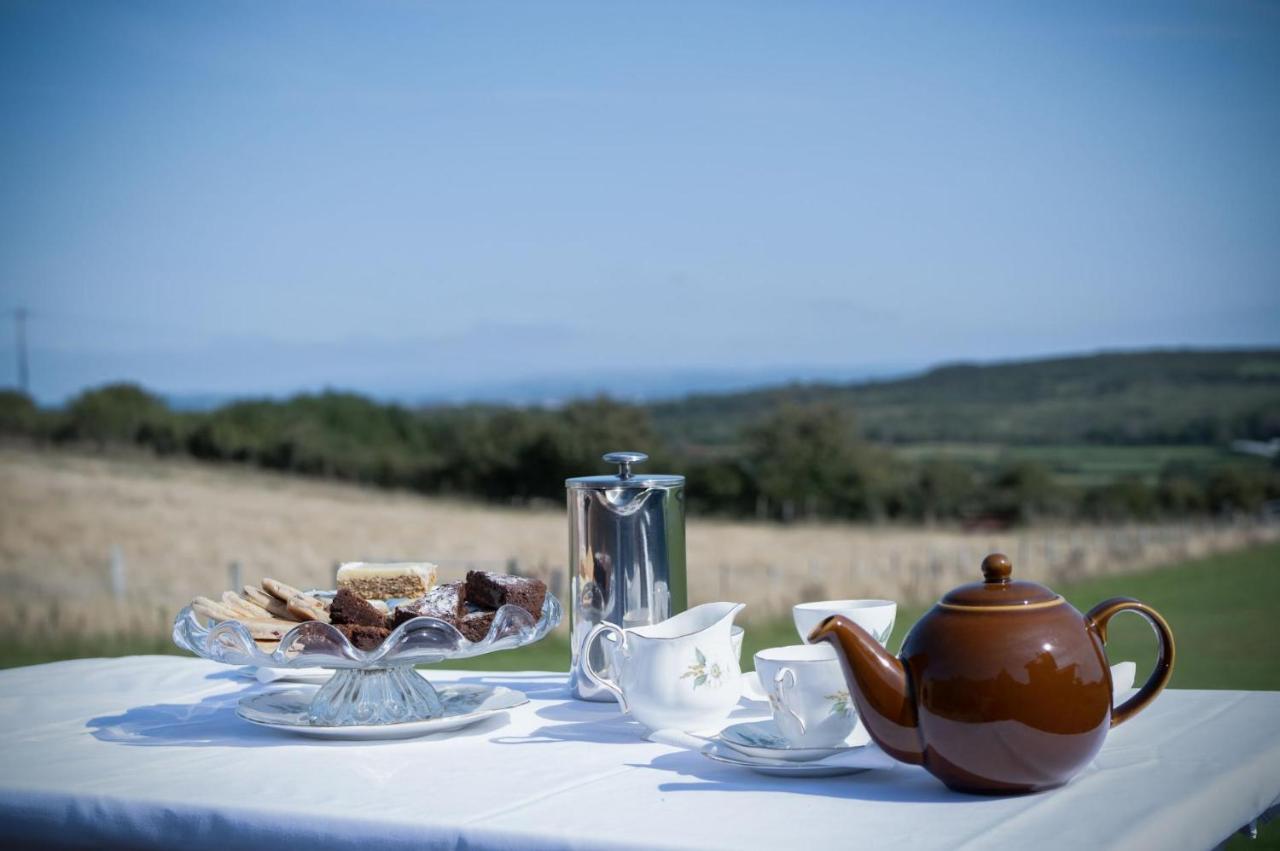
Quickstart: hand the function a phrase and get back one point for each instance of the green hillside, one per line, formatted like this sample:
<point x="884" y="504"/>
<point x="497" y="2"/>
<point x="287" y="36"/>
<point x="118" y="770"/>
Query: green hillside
<point x="1104" y="437"/>
<point x="1159" y="397"/>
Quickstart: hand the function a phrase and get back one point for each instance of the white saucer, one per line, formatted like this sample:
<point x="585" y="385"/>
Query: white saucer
<point x="286" y="709"/>
<point x="751" y="688"/>
<point x="718" y="752"/>
<point x="762" y="739"/>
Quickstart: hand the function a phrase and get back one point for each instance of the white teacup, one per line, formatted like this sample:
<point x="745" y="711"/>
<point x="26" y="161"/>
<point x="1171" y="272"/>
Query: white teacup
<point x="875" y="616"/>
<point x="808" y="694"/>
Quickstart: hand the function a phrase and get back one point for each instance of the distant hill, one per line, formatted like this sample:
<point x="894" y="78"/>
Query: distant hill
<point x="1160" y="397"/>
<point x="1003" y="441"/>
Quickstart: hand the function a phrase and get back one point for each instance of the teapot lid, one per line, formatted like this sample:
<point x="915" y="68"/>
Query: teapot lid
<point x="625" y="478"/>
<point x="998" y="589"/>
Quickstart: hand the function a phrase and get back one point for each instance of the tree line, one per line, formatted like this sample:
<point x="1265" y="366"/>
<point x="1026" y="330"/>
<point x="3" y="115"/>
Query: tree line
<point x="798" y="461"/>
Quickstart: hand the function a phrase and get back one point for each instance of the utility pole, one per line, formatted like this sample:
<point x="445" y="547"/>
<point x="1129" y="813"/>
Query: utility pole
<point x="20" y="320"/>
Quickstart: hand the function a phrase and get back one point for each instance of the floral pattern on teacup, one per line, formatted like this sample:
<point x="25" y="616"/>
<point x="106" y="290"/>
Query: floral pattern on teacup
<point x="840" y="704"/>
<point x="703" y="673"/>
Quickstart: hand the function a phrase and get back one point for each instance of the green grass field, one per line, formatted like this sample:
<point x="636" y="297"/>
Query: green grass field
<point x="1085" y="465"/>
<point x="1222" y="610"/>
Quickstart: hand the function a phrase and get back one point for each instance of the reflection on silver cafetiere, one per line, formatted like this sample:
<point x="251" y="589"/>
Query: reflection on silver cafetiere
<point x="626" y="557"/>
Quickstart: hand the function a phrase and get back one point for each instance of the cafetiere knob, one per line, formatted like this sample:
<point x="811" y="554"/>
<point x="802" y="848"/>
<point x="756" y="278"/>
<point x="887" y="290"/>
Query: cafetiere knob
<point x="624" y="460"/>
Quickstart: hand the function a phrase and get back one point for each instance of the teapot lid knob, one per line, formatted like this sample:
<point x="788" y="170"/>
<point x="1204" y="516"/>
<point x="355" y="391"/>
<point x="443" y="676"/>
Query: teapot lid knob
<point x="996" y="568"/>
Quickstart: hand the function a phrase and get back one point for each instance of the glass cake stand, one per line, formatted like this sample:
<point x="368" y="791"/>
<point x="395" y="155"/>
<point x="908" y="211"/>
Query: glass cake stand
<point x="373" y="687"/>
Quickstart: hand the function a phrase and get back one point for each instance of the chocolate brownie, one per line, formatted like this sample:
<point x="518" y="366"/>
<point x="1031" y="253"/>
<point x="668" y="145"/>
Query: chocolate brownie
<point x="446" y="602"/>
<point x="349" y="609"/>
<point x="474" y="626"/>
<point x="492" y="590"/>
<point x="364" y="637"/>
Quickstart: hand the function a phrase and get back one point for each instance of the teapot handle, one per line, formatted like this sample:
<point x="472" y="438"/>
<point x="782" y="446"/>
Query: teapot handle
<point x="594" y="675"/>
<point x="1097" y="619"/>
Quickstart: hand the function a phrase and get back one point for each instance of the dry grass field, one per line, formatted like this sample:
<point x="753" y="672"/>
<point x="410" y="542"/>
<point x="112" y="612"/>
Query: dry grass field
<point x="178" y="526"/>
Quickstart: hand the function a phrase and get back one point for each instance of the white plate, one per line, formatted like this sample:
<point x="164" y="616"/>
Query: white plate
<point x="763" y="739"/>
<point x="464" y="705"/>
<point x="718" y="752"/>
<point x="310" y="676"/>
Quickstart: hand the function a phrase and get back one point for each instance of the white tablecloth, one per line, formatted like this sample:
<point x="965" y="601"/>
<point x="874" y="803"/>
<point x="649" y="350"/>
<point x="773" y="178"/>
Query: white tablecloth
<point x="148" y="751"/>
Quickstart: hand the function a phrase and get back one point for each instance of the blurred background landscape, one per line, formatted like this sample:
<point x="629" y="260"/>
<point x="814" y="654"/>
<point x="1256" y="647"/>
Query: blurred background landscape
<point x="118" y="507"/>
<point x="293" y="284"/>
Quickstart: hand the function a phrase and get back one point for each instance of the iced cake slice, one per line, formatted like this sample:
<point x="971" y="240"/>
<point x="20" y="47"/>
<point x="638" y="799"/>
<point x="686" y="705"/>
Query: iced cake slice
<point x="384" y="581"/>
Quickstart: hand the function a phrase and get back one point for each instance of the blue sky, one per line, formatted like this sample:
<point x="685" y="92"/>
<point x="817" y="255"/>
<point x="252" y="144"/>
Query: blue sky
<point x="408" y="198"/>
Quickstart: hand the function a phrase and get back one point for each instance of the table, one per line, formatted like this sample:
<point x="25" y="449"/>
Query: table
<point x="147" y="751"/>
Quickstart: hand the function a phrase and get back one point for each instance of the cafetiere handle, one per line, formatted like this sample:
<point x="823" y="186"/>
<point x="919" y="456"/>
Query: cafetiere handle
<point x="594" y="675"/>
<point x="1097" y="619"/>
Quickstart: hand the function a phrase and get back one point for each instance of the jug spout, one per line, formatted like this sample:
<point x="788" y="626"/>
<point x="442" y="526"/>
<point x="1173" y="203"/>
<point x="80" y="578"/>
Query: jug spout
<point x="730" y="611"/>
<point x="878" y="684"/>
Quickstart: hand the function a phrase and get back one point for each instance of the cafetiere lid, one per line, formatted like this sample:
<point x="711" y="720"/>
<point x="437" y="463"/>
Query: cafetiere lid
<point x="625" y="477"/>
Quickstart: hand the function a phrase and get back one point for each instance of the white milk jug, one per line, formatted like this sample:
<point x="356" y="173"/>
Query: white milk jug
<point x="682" y="673"/>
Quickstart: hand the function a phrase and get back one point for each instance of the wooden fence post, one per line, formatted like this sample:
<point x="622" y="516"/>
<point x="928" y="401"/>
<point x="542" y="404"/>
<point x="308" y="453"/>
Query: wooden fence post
<point x="119" y="584"/>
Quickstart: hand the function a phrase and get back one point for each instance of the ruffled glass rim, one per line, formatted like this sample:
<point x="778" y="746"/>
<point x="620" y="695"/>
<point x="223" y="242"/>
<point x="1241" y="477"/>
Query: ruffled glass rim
<point x="312" y="644"/>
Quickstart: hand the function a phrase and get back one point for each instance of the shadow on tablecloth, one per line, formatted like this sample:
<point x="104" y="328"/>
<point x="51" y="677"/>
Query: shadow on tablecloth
<point x="209" y="723"/>
<point x="534" y="686"/>
<point x="596" y="722"/>
<point x="903" y="783"/>
<point x="213" y="723"/>
<point x="573" y="720"/>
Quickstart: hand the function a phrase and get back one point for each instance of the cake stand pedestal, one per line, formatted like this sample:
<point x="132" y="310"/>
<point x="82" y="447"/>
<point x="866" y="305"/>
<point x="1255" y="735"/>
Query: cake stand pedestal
<point x="368" y="688"/>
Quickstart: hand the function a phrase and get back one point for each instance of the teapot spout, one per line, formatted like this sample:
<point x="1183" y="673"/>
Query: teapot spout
<point x="878" y="683"/>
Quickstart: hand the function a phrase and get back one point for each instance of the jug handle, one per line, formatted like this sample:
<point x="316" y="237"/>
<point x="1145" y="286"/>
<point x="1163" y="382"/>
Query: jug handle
<point x="1097" y="619"/>
<point x="594" y="675"/>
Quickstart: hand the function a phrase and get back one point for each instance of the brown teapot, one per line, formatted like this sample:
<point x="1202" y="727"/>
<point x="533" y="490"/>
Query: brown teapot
<point x="1002" y="687"/>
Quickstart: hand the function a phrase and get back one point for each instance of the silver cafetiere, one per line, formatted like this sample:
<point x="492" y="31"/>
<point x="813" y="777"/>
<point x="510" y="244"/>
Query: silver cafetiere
<point x="626" y="557"/>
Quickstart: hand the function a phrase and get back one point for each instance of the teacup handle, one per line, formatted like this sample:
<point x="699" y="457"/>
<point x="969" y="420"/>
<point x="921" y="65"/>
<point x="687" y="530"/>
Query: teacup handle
<point x="1098" y="617"/>
<point x="594" y="675"/>
<point x="784" y="681"/>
